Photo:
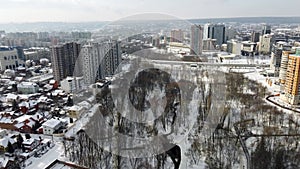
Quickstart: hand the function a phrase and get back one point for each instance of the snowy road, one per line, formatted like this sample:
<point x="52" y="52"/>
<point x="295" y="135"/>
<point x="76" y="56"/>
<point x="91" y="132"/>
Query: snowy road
<point x="46" y="159"/>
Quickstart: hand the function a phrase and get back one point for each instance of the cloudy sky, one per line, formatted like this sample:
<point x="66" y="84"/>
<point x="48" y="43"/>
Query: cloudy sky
<point x="109" y="10"/>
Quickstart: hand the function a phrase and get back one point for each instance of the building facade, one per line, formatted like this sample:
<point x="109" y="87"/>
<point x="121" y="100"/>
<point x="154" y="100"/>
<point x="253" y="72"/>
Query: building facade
<point x="276" y="56"/>
<point x="265" y="44"/>
<point x="9" y="58"/>
<point x="283" y="66"/>
<point x="234" y="47"/>
<point x="291" y="89"/>
<point x="72" y="84"/>
<point x="255" y="36"/>
<point x="177" y="35"/>
<point x="209" y="44"/>
<point x="248" y="48"/>
<point x="215" y="31"/>
<point x="196" y="40"/>
<point x="266" y="29"/>
<point x="100" y="60"/>
<point x="63" y="59"/>
<point x="27" y="88"/>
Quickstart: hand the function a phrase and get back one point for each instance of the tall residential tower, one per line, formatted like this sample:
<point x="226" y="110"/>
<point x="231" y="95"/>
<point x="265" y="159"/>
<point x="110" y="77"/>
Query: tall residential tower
<point x="63" y="59"/>
<point x="292" y="81"/>
<point x="100" y="60"/>
<point x="196" y="39"/>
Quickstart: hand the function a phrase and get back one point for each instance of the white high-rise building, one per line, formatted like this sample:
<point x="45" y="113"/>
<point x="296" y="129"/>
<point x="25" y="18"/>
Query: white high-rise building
<point x="100" y="60"/>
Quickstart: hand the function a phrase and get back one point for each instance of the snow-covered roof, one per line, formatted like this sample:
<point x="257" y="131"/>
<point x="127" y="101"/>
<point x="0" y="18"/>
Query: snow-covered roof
<point x="28" y="141"/>
<point x="42" y="99"/>
<point x="75" y="108"/>
<point x="23" y="118"/>
<point x="11" y="96"/>
<point x="45" y="141"/>
<point x="12" y="82"/>
<point x="24" y="104"/>
<point x="57" y="92"/>
<point x="19" y="79"/>
<point x="29" y="104"/>
<point x="52" y="82"/>
<point x="3" y="161"/>
<point x="31" y="123"/>
<point x="4" y="141"/>
<point x="24" y="97"/>
<point x="36" y="117"/>
<point x="6" y="120"/>
<point x="19" y="125"/>
<point x="27" y="85"/>
<point x="52" y="123"/>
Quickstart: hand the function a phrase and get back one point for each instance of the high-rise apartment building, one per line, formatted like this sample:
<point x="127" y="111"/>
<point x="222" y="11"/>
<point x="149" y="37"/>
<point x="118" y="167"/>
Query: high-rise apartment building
<point x="196" y="39"/>
<point x="63" y="59"/>
<point x="100" y="60"/>
<point x="215" y="31"/>
<point x="276" y="55"/>
<point x="283" y="66"/>
<point x="292" y="81"/>
<point x="177" y="35"/>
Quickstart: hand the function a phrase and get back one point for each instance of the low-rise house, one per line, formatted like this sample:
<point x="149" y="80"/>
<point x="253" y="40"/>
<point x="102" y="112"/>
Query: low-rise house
<point x="75" y="111"/>
<point x="12" y="97"/>
<point x="29" y="123"/>
<point x="4" y="143"/>
<point x="52" y="125"/>
<point x="26" y="127"/>
<point x="28" y="88"/>
<point x="30" y="144"/>
<point x="29" y="106"/>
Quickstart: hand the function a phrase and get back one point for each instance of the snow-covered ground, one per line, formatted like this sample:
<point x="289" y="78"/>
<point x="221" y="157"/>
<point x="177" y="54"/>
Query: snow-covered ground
<point x="56" y="152"/>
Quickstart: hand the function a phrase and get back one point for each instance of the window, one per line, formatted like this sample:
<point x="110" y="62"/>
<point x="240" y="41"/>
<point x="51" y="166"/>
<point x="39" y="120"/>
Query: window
<point x="15" y="56"/>
<point x="5" y="58"/>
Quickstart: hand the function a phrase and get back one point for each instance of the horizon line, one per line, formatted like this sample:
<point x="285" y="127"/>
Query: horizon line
<point x="204" y="18"/>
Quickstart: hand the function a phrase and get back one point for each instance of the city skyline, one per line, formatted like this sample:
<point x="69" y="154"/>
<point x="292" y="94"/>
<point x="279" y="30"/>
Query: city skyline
<point x="92" y="10"/>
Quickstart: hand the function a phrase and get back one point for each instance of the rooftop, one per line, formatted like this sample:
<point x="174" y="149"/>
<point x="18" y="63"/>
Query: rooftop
<point x="27" y="84"/>
<point x="28" y="141"/>
<point x="52" y="123"/>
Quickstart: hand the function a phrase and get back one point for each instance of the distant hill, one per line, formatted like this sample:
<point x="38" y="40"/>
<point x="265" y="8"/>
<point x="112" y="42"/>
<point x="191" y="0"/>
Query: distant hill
<point x="269" y="20"/>
<point x="51" y="26"/>
<point x="90" y="26"/>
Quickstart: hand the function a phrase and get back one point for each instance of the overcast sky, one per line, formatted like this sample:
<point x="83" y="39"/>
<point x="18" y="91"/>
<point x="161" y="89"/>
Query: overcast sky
<point x="109" y="10"/>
